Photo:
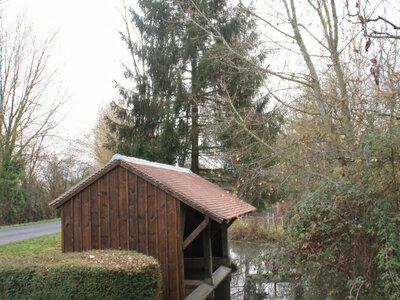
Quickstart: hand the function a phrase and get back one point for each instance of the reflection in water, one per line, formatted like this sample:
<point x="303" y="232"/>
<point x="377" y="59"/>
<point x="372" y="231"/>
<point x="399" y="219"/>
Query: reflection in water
<point x="249" y="281"/>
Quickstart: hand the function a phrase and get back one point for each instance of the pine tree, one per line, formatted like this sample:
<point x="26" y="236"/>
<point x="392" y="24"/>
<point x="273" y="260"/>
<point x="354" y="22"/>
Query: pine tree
<point x="184" y="73"/>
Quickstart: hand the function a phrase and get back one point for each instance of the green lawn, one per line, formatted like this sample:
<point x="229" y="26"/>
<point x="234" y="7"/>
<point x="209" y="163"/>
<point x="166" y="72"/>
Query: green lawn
<point x="30" y="223"/>
<point x="48" y="245"/>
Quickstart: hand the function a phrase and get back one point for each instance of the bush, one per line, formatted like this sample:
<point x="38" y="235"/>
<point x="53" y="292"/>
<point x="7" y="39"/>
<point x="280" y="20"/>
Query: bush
<point x="344" y="235"/>
<point x="90" y="275"/>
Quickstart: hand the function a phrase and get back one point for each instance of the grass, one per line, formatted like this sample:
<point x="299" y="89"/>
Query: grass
<point x="48" y="245"/>
<point x="254" y="229"/>
<point x="30" y="223"/>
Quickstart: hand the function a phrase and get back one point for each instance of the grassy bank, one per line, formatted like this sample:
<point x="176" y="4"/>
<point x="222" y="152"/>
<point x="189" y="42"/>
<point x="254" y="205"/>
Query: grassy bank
<point x="30" y="223"/>
<point x="254" y="229"/>
<point x="48" y="245"/>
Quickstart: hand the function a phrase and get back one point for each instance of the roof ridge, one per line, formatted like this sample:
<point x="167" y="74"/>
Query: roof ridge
<point x="144" y="162"/>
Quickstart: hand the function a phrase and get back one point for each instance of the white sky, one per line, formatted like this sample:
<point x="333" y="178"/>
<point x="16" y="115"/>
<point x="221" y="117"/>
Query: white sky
<point x="88" y="52"/>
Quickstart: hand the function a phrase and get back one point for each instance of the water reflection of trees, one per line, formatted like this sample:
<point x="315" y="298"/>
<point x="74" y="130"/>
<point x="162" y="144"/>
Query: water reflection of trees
<point x="250" y="281"/>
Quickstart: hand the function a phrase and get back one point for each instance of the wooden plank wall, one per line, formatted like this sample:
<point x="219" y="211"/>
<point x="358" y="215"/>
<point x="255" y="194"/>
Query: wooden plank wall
<point x="123" y="211"/>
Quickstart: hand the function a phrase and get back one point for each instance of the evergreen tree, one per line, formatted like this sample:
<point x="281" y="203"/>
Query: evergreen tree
<point x="182" y="78"/>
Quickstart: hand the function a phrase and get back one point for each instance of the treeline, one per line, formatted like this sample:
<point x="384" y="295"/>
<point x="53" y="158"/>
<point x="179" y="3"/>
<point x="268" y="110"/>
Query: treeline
<point x="278" y="106"/>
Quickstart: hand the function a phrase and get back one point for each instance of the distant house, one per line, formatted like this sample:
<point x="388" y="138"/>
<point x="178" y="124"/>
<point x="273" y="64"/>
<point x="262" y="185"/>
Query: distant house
<point x="160" y="210"/>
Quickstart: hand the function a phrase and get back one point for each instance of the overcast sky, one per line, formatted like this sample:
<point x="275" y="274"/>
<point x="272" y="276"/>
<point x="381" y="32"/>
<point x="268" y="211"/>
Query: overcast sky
<point x="88" y="52"/>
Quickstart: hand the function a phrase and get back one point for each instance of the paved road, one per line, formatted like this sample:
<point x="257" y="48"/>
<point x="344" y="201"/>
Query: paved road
<point x="14" y="234"/>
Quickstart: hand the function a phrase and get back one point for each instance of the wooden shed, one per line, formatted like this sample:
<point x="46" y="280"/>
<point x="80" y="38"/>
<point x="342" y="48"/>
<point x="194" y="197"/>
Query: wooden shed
<point x="159" y="210"/>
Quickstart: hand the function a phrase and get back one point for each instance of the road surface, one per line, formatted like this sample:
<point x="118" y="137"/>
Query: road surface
<point x="20" y="233"/>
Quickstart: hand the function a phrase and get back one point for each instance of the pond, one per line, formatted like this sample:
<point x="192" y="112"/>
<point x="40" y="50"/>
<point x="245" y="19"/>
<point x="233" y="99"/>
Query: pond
<point x="249" y="281"/>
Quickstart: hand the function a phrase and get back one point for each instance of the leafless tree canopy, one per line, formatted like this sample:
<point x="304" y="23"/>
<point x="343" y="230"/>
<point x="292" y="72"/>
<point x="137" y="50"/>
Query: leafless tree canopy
<point x="27" y="114"/>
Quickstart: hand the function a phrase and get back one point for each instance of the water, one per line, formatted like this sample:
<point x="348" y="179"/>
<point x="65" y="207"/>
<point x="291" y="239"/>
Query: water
<point x="249" y="281"/>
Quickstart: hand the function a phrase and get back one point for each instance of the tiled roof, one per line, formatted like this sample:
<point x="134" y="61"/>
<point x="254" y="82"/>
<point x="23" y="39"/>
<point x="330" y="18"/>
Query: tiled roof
<point x="190" y="188"/>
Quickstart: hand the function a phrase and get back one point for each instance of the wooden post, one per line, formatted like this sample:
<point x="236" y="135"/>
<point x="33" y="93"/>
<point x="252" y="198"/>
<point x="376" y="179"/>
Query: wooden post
<point x="207" y="254"/>
<point x="224" y="238"/>
<point x="223" y="291"/>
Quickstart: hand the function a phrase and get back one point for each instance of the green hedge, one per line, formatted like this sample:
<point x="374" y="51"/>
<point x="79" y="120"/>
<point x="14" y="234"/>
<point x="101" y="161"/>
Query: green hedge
<point x="89" y="275"/>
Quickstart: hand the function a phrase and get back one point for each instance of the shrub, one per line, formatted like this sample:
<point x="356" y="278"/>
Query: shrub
<point x="344" y="235"/>
<point x="90" y="275"/>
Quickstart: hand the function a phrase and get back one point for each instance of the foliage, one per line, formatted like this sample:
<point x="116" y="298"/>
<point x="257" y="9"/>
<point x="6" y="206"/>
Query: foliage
<point x="12" y="190"/>
<point x="247" y="161"/>
<point x="343" y="234"/>
<point x="90" y="275"/>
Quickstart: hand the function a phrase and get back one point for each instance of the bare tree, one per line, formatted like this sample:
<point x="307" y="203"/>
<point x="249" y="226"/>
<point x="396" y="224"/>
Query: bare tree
<point x="379" y="20"/>
<point x="27" y="114"/>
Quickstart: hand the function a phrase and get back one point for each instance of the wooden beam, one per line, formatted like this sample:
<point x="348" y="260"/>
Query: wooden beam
<point x="231" y="222"/>
<point x="192" y="283"/>
<point x="196" y="232"/>
<point x="204" y="290"/>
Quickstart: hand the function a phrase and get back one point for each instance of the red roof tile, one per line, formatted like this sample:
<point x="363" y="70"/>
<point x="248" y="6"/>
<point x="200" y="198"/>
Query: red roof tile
<point x="193" y="190"/>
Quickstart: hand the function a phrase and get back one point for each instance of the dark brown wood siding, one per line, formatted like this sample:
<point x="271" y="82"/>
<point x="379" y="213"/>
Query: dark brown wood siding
<point x="121" y="210"/>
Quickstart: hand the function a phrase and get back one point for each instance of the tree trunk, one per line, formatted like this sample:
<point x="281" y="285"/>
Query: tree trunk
<point x="194" y="136"/>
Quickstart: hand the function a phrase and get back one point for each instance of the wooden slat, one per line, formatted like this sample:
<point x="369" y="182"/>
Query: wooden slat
<point x="113" y="198"/>
<point x="179" y="241"/>
<point x="108" y="209"/>
<point x="104" y="220"/>
<point x="77" y="210"/>
<point x="141" y="215"/>
<point x="152" y="220"/>
<point x="163" y="239"/>
<point x="172" y="248"/>
<point x="68" y="227"/>
<point x="146" y="216"/>
<point x="127" y="208"/>
<point x="94" y="212"/>
<point x="90" y="219"/>
<point x="156" y="218"/>
<point x="132" y="216"/>
<point x="72" y="221"/>
<point x="62" y="229"/>
<point x="85" y="219"/>
<point x="123" y="209"/>
<point x="183" y="220"/>
<point x="204" y="290"/>
<point x="99" y="208"/>
<point x="137" y="212"/>
<point x="196" y="232"/>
